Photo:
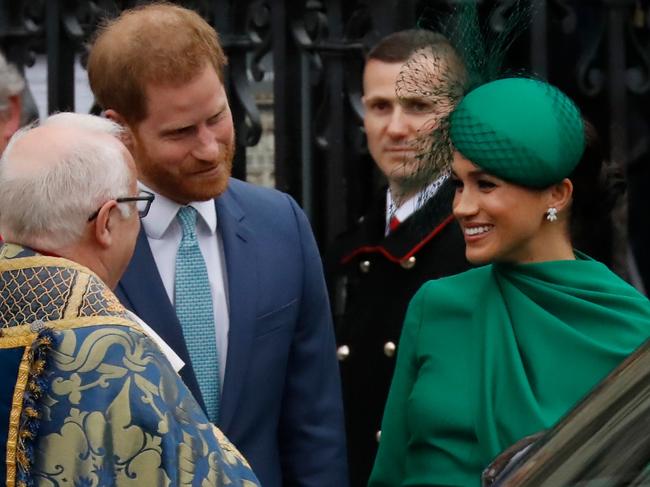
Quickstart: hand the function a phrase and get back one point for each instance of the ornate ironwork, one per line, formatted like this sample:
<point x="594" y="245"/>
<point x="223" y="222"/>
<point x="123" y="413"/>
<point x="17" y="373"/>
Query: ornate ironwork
<point x="308" y="55"/>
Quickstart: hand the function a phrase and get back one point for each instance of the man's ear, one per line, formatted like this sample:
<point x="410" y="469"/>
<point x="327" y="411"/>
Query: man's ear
<point x="103" y="230"/>
<point x="13" y="122"/>
<point x="560" y="194"/>
<point x="127" y="135"/>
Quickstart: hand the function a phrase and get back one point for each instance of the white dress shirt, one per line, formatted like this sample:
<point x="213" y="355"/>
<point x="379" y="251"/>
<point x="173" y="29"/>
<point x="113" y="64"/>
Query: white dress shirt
<point x="164" y="234"/>
<point x="411" y="205"/>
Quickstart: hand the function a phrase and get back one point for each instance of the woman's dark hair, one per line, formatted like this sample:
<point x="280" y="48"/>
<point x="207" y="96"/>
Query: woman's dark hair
<point x="598" y="184"/>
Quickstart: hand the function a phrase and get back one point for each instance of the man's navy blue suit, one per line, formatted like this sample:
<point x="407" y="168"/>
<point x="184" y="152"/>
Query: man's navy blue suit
<point x="281" y="401"/>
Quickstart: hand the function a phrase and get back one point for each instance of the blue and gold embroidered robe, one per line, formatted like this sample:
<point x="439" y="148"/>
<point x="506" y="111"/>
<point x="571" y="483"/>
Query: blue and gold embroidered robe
<point x="87" y="398"/>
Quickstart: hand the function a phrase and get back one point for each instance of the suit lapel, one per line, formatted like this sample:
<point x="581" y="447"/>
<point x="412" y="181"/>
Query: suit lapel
<point x="145" y="294"/>
<point x="241" y="268"/>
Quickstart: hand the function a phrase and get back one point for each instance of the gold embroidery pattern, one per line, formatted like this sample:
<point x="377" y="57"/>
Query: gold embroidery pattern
<point x="105" y="443"/>
<point x="116" y="412"/>
<point x="67" y="324"/>
<point x="61" y="291"/>
<point x="21" y="288"/>
<point x="229" y="448"/>
<point x="131" y="432"/>
<point x="94" y="302"/>
<point x="113" y="305"/>
<point x="78" y="291"/>
<point x="17" y="402"/>
<point x="28" y="388"/>
<point x="9" y="251"/>
<point x="98" y="300"/>
<point x="9" y="261"/>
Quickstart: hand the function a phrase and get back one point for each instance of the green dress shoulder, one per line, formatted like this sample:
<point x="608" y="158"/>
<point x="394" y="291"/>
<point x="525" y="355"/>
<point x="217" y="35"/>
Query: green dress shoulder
<point x="496" y="353"/>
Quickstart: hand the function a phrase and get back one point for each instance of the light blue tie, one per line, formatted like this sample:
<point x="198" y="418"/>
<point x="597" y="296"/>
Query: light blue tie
<point x="195" y="313"/>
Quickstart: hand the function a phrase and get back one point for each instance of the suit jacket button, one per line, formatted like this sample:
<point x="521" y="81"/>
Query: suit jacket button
<point x="378" y="435"/>
<point x="364" y="266"/>
<point x="408" y="263"/>
<point x="389" y="349"/>
<point x="342" y="352"/>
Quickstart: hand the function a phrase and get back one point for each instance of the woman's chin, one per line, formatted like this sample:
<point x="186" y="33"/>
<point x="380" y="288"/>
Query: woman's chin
<point x="477" y="258"/>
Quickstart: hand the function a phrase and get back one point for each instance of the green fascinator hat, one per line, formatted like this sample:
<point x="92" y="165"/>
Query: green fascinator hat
<point x="521" y="130"/>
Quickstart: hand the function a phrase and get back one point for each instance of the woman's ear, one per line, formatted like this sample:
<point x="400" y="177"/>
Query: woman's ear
<point x="126" y="136"/>
<point x="560" y="194"/>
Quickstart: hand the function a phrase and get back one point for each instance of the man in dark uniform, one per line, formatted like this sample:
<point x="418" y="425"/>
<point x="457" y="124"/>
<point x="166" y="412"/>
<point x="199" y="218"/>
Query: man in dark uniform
<point x="407" y="237"/>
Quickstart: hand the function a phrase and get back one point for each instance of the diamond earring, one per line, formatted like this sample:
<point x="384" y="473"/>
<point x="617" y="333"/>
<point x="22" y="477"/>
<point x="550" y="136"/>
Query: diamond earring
<point x="551" y="214"/>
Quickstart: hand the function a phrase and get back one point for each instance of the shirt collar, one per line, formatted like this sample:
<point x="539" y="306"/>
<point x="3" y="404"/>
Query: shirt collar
<point x="163" y="213"/>
<point x="414" y="203"/>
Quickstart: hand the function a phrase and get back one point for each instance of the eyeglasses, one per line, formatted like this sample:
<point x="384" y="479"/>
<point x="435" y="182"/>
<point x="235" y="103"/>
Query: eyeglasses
<point x="143" y="203"/>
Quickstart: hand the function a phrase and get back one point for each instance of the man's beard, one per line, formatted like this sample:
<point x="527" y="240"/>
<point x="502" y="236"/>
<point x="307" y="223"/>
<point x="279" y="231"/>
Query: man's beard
<point x="187" y="189"/>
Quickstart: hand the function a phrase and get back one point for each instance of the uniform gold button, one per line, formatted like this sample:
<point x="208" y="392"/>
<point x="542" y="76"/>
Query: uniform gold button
<point x="342" y="352"/>
<point x="378" y="435"/>
<point x="408" y="263"/>
<point x="364" y="266"/>
<point x="389" y="349"/>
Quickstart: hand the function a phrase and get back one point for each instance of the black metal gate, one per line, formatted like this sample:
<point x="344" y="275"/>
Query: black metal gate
<point x="309" y="53"/>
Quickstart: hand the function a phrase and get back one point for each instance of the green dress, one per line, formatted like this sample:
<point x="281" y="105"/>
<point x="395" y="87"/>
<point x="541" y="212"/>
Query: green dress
<point x="496" y="353"/>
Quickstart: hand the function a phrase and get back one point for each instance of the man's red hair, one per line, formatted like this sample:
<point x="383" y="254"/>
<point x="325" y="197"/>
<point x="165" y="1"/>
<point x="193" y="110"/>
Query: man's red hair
<point x="157" y="43"/>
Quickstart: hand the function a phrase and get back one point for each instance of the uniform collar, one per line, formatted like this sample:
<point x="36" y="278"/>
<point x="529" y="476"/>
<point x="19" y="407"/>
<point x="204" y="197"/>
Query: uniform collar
<point x="429" y="220"/>
<point x="414" y="203"/>
<point x="163" y="213"/>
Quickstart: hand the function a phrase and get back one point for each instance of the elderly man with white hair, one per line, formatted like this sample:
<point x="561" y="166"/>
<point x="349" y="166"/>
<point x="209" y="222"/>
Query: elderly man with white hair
<point x="11" y="87"/>
<point x="87" y="397"/>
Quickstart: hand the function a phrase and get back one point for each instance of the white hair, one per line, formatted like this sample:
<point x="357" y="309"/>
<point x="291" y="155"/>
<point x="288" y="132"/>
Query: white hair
<point x="49" y="208"/>
<point x="11" y="82"/>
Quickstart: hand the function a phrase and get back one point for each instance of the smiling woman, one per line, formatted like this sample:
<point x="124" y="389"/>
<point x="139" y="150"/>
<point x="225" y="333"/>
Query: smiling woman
<point x="503" y="222"/>
<point x="504" y="350"/>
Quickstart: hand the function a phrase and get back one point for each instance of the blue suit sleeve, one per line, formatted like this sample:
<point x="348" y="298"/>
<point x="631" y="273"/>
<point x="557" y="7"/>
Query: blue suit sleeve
<point x="312" y="433"/>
